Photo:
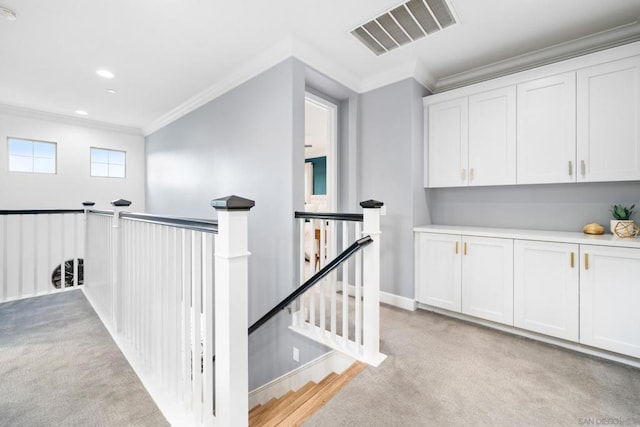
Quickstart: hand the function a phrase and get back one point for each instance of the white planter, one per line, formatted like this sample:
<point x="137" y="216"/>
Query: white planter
<point x="627" y="228"/>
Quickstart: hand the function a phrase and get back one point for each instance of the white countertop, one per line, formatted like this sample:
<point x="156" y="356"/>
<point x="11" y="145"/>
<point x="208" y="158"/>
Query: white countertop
<point x="539" y="235"/>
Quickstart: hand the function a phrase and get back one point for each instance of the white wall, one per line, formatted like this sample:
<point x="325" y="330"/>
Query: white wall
<point x="72" y="184"/>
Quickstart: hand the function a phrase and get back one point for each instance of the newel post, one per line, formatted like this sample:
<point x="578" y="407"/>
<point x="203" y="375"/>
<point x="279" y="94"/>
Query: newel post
<point x="116" y="263"/>
<point x="371" y="282"/>
<point x="231" y="311"/>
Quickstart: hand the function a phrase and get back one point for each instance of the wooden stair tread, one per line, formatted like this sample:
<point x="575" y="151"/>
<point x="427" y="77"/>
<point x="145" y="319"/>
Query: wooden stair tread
<point x="316" y="402"/>
<point x="260" y="409"/>
<point x="290" y="404"/>
<point x="301" y="397"/>
<point x="295" y="407"/>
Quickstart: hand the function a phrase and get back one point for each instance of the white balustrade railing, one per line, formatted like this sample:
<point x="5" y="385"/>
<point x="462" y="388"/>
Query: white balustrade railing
<point x="157" y="284"/>
<point x="41" y="251"/>
<point x="343" y="310"/>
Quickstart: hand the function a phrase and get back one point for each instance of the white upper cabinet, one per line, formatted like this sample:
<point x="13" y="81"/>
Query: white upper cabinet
<point x="547" y="130"/>
<point x="492" y="137"/>
<point x="446" y="127"/>
<point x="608" y="121"/>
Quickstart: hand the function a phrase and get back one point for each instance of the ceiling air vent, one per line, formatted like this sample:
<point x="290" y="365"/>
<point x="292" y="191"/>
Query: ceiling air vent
<point x="405" y="23"/>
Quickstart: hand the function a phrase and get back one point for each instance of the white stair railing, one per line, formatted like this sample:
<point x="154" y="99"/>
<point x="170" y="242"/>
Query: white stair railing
<point x="154" y="282"/>
<point x="41" y="252"/>
<point x="343" y="310"/>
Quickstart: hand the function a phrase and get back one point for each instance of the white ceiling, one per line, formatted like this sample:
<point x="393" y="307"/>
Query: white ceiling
<point x="169" y="54"/>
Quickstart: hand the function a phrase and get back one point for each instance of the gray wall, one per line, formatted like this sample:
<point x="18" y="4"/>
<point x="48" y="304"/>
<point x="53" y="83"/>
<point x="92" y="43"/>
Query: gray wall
<point x="565" y="207"/>
<point x="391" y="171"/>
<point x="248" y="142"/>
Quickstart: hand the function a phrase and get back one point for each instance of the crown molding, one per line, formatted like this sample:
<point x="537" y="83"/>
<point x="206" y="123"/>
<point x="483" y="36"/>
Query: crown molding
<point x="312" y="57"/>
<point x="287" y="48"/>
<point x="266" y="60"/>
<point x="578" y="47"/>
<point x="70" y="120"/>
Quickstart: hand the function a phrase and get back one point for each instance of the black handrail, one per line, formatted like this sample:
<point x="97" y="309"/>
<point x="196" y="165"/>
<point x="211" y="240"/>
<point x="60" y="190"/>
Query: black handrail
<point x="39" y="211"/>
<point x="355" y="247"/>
<point x="330" y="216"/>
<point x="206" y="225"/>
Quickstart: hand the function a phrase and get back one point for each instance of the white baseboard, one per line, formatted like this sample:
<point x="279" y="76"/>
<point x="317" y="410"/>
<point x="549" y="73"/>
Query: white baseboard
<point x="391" y="299"/>
<point x="398" y="301"/>
<point x="315" y="371"/>
<point x="603" y="354"/>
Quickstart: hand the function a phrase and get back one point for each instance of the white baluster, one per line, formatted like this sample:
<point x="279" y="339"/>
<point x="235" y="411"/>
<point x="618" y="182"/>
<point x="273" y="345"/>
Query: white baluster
<point x="322" y="285"/>
<point x="345" y="284"/>
<point x="358" y="291"/>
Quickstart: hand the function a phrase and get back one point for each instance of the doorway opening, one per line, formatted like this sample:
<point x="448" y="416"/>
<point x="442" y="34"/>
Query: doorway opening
<point x="321" y="176"/>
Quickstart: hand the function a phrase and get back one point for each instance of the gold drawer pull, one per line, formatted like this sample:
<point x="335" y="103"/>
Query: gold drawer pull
<point x="465" y="248"/>
<point x="586" y="261"/>
<point x="456" y="248"/>
<point x="572" y="260"/>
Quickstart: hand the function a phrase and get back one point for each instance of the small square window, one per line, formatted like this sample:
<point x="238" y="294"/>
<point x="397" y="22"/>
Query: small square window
<point x="32" y="156"/>
<point x="108" y="163"/>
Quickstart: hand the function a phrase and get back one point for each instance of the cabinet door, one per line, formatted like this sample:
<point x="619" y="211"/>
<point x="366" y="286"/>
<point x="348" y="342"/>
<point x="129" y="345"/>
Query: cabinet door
<point x="492" y="137"/>
<point x="547" y="130"/>
<point x="608" y="124"/>
<point x="447" y="143"/>
<point x="438" y="270"/>
<point x="487" y="278"/>
<point x="610" y="298"/>
<point x="545" y="288"/>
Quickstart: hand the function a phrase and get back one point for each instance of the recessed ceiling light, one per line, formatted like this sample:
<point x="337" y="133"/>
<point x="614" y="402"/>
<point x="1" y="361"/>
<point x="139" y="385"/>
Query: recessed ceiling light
<point x="112" y="91"/>
<point x="81" y="112"/>
<point x="105" y="73"/>
<point x="7" y="13"/>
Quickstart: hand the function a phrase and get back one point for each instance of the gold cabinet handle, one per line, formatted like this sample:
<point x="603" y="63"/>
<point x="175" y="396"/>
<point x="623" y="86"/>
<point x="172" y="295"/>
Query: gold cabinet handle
<point x="583" y="168"/>
<point x="465" y="248"/>
<point x="570" y="168"/>
<point x="586" y="261"/>
<point x="471" y="174"/>
<point x="572" y="260"/>
<point x="464" y="174"/>
<point x="456" y="248"/>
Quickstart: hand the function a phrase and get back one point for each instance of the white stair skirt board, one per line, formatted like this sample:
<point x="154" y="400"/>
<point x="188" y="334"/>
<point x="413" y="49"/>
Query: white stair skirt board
<point x="580" y="348"/>
<point x="314" y="370"/>
<point x="388" y="298"/>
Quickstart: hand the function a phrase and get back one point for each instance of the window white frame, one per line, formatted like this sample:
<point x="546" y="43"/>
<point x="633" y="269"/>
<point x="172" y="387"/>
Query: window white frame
<point x="109" y="165"/>
<point x="14" y="158"/>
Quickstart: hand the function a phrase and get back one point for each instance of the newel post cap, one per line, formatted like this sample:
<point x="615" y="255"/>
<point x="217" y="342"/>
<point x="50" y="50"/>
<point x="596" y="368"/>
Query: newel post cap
<point x="371" y="204"/>
<point x="121" y="202"/>
<point x="233" y="203"/>
<point x="88" y="203"/>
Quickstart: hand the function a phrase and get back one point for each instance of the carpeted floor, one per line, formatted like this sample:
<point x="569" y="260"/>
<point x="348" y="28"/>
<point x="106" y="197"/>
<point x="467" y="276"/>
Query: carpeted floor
<point x="60" y="367"/>
<point x="442" y="371"/>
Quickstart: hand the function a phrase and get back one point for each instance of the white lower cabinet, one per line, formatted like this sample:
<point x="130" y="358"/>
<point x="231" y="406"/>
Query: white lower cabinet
<point x="472" y="275"/>
<point x="546" y="288"/>
<point x="438" y="273"/>
<point x="487" y="278"/>
<point x="610" y="298"/>
<point x="536" y="281"/>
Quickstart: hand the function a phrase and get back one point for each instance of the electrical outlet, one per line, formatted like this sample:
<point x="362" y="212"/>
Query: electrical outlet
<point x="296" y="354"/>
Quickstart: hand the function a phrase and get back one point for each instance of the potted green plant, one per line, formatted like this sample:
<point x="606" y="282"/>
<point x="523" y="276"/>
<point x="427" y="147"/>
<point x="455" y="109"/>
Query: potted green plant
<point x="621" y="224"/>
